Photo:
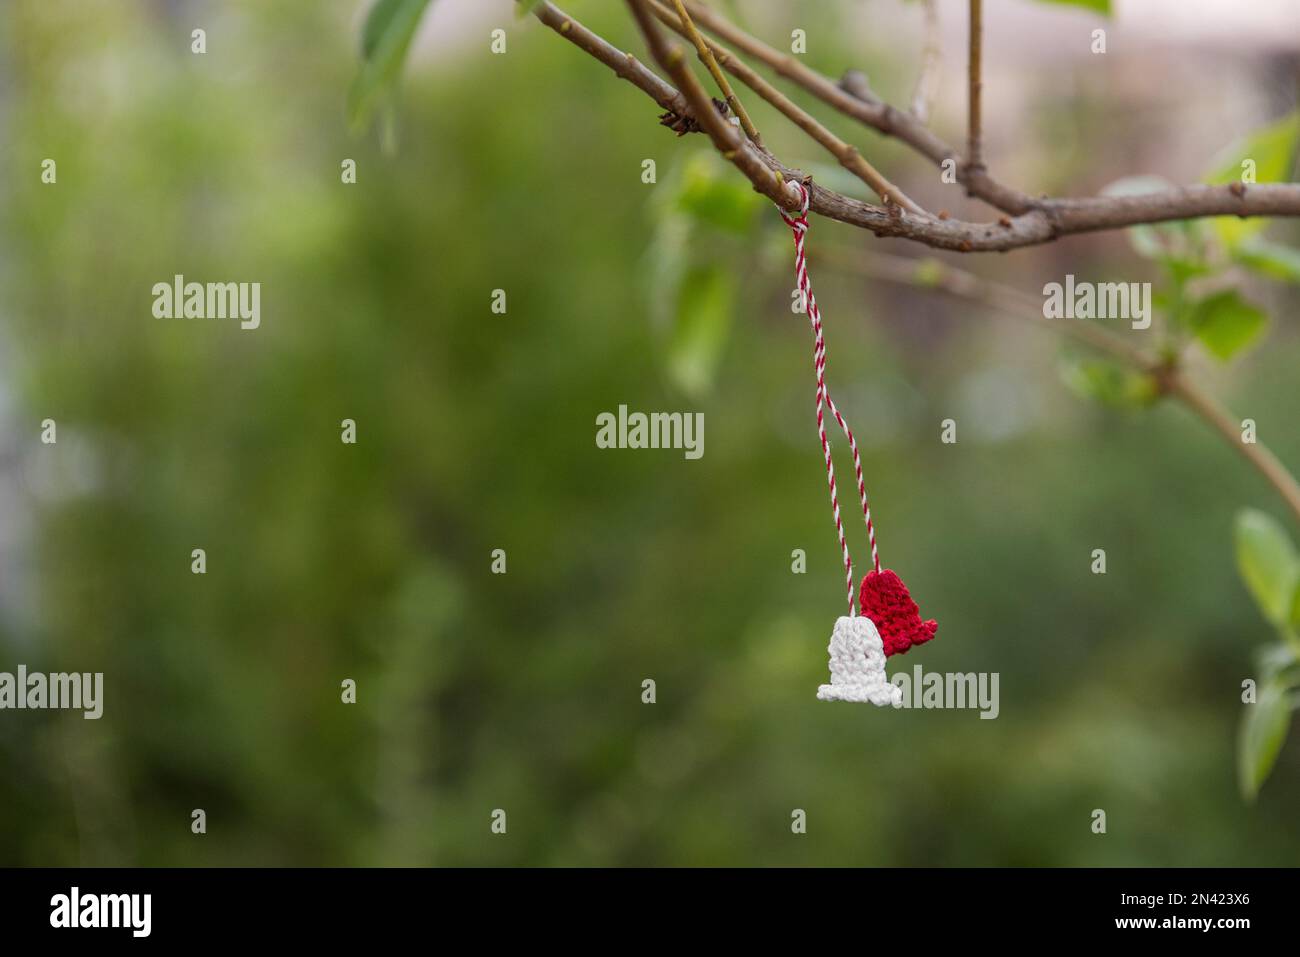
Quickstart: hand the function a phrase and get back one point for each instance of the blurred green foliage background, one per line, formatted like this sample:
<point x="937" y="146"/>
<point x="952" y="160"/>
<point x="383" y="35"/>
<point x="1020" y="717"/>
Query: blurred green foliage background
<point x="476" y="431"/>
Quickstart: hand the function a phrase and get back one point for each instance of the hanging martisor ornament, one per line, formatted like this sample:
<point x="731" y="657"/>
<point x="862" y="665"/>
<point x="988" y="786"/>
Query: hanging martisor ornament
<point x="889" y="623"/>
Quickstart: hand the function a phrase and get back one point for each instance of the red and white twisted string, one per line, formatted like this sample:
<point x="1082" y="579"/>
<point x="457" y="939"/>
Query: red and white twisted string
<point x="799" y="225"/>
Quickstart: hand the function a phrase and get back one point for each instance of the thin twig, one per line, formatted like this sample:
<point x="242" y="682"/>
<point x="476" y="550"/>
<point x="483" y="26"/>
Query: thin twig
<point x="724" y="85"/>
<point x="974" y="151"/>
<point x="623" y="64"/>
<point x="847" y="155"/>
<point x="743" y="154"/>
<point x="999" y="298"/>
<point x="927" y="81"/>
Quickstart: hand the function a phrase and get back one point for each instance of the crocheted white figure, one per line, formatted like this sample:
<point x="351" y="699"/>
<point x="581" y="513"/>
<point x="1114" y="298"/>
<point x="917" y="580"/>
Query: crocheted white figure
<point x="858" y="665"/>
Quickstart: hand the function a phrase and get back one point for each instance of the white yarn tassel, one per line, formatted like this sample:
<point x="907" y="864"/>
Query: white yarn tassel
<point x="857" y="663"/>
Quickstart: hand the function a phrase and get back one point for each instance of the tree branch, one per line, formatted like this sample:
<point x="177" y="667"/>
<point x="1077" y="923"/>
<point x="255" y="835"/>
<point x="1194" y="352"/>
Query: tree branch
<point x="1062" y="217"/>
<point x="847" y="155"/>
<point x="706" y="56"/>
<point x="1008" y="301"/>
<point x="1001" y="299"/>
<point x="1229" y="426"/>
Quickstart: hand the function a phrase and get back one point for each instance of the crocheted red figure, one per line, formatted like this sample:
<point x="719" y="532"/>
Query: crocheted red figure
<point x="884" y="599"/>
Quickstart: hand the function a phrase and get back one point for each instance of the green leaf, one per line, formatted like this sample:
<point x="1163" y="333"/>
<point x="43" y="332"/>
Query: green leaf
<point x="1263" y="731"/>
<point x="1109" y="383"/>
<point x="1225" y="323"/>
<point x="1100" y="6"/>
<point x="1273" y="150"/>
<point x="385" y="38"/>
<point x="1267" y="562"/>
<point x="526" y="7"/>
<point x="703" y="322"/>
<point x="1269" y="259"/>
<point x="709" y="195"/>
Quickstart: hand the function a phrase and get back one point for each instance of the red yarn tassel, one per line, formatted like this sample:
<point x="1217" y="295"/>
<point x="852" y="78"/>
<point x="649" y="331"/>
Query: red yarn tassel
<point x="885" y="600"/>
